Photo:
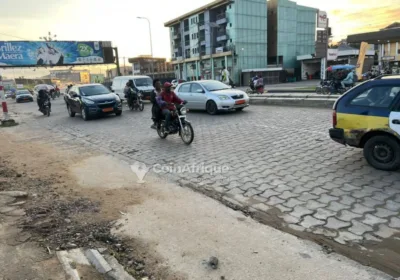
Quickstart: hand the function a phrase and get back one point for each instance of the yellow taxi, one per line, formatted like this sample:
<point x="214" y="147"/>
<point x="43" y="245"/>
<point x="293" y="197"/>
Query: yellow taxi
<point x="368" y="117"/>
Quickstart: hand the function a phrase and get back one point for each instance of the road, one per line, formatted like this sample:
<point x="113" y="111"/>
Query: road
<point x="274" y="160"/>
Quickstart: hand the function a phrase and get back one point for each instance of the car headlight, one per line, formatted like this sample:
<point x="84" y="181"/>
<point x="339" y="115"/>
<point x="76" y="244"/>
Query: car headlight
<point x="183" y="111"/>
<point x="89" y="102"/>
<point x="223" y="97"/>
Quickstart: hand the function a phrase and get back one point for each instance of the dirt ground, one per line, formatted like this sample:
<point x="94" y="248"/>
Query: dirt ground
<point x="156" y="230"/>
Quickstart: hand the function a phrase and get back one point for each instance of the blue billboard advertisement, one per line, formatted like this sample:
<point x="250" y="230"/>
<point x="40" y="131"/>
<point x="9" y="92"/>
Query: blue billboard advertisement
<point x="55" y="53"/>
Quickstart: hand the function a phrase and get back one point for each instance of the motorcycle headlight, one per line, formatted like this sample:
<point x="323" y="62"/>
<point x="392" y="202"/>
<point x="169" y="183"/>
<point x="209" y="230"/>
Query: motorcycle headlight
<point x="89" y="102"/>
<point x="223" y="97"/>
<point x="183" y="111"/>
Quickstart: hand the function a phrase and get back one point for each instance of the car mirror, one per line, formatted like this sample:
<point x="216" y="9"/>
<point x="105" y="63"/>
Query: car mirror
<point x="112" y="90"/>
<point x="75" y="95"/>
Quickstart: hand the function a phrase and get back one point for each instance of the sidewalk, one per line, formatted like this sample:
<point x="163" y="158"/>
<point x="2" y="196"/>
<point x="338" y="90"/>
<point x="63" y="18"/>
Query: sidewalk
<point x="302" y="86"/>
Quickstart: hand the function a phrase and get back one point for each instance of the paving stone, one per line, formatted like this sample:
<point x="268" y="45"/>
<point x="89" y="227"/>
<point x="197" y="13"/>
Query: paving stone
<point x="296" y="227"/>
<point x="261" y="207"/>
<point x="370" y="237"/>
<point x="269" y="193"/>
<point x="359" y="194"/>
<point x="359" y="228"/>
<point x="386" y="232"/>
<point x="310" y="222"/>
<point x="380" y="196"/>
<point x="336" y="206"/>
<point x="283" y="209"/>
<point x="369" y="189"/>
<point x="361" y="209"/>
<point x="347" y="200"/>
<point x="392" y="205"/>
<point x="282" y="188"/>
<point x="384" y="213"/>
<point x="373" y="220"/>
<point x="300" y="189"/>
<point x="348" y="216"/>
<point x="334" y="223"/>
<point x="313" y="204"/>
<point x="252" y="192"/>
<point x="286" y="195"/>
<point x="274" y="200"/>
<point x="349" y="188"/>
<point x="324" y="198"/>
<point x="345" y="236"/>
<point x="290" y="219"/>
<point x="395" y="222"/>
<point x="369" y="202"/>
<point x="265" y="187"/>
<point x="324" y="214"/>
<point x="325" y="232"/>
<point x="234" y="184"/>
<point x="307" y="196"/>
<point x="235" y="191"/>
<point x="338" y="192"/>
<point x="248" y="185"/>
<point x="291" y="203"/>
<point x="300" y="211"/>
<point x="330" y="186"/>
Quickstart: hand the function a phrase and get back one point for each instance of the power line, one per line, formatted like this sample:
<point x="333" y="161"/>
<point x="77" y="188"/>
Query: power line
<point x="8" y="35"/>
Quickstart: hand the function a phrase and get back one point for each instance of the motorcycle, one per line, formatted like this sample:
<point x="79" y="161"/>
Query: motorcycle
<point x="135" y="104"/>
<point x="178" y="125"/>
<point x="57" y="93"/>
<point x="45" y="108"/>
<point x="53" y="94"/>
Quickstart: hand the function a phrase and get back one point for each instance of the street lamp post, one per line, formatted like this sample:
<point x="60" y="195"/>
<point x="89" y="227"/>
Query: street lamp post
<point x="151" y="45"/>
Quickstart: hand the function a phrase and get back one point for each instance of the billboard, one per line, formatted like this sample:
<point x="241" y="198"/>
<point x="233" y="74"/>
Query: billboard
<point x="361" y="58"/>
<point x="97" y="78"/>
<point x="332" y="54"/>
<point x="322" y="20"/>
<point x="32" y="53"/>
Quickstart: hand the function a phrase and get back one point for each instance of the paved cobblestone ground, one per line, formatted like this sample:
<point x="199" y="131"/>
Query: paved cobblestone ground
<point x="278" y="158"/>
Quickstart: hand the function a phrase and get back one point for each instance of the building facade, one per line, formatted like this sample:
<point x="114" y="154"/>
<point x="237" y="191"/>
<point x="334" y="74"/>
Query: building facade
<point x="291" y="32"/>
<point x="387" y="42"/>
<point x="160" y="68"/>
<point x="224" y="33"/>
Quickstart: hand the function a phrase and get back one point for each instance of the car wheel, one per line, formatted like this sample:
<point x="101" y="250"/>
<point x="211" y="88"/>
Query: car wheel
<point x="85" y="117"/>
<point x="211" y="108"/>
<point x="383" y="153"/>
<point x="70" y="113"/>
<point x="118" y="113"/>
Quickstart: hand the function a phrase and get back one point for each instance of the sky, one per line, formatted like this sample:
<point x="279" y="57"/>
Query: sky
<point x="116" y="21"/>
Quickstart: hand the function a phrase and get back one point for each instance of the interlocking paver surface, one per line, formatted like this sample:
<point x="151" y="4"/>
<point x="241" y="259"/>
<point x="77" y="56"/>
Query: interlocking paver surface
<point x="277" y="157"/>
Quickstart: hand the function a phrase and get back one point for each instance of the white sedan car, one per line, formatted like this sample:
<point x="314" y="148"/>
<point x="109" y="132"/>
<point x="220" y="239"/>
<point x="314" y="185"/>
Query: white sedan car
<point x="212" y="96"/>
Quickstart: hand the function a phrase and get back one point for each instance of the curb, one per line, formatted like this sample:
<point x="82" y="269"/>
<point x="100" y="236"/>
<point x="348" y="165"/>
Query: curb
<point x="295" y="100"/>
<point x="103" y="262"/>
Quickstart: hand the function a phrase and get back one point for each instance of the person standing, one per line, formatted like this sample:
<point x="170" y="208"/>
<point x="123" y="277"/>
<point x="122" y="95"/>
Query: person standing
<point x="225" y="76"/>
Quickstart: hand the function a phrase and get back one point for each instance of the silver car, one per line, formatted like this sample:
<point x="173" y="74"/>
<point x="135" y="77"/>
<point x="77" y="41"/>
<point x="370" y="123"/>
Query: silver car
<point x="212" y="96"/>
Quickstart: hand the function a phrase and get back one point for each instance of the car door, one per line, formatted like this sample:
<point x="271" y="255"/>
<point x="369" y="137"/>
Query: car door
<point x="394" y="117"/>
<point x="184" y="93"/>
<point x="74" y="100"/>
<point x="198" y="96"/>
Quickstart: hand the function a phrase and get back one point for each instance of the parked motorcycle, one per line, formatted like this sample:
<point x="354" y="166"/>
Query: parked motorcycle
<point x="137" y="103"/>
<point x="179" y="125"/>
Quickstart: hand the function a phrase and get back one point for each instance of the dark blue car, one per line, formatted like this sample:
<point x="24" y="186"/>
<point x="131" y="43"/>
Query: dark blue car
<point x="92" y="100"/>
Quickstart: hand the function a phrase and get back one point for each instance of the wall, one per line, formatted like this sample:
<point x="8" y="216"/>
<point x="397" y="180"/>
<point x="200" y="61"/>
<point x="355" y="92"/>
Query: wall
<point x="247" y="29"/>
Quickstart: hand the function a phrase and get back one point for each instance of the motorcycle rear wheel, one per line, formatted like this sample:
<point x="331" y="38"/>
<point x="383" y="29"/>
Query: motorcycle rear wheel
<point x="141" y="106"/>
<point x="161" y="132"/>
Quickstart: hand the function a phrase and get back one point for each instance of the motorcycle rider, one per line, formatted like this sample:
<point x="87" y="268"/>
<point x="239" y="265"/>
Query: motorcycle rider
<point x="166" y="101"/>
<point x="155" y="110"/>
<point x="349" y="80"/>
<point x="43" y="95"/>
<point x="129" y="92"/>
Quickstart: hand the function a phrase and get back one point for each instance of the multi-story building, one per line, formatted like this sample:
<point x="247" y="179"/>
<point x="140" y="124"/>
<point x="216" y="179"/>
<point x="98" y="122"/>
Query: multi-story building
<point x="291" y="32"/>
<point x="387" y="45"/>
<point x="224" y="33"/>
<point x="161" y="68"/>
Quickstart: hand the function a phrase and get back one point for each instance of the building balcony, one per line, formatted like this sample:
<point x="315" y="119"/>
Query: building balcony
<point x="222" y="36"/>
<point x="176" y="35"/>
<point x="186" y="29"/>
<point x="202" y="25"/>
<point x="221" y="19"/>
<point x="187" y="44"/>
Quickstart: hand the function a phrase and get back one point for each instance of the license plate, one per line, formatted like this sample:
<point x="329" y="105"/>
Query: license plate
<point x="240" y="102"/>
<point x="108" y="109"/>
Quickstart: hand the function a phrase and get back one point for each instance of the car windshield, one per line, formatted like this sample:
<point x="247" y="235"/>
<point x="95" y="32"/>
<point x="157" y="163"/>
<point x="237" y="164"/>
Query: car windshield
<point x="22" y="92"/>
<point x="143" y="82"/>
<point x="94" y="90"/>
<point x="214" y="85"/>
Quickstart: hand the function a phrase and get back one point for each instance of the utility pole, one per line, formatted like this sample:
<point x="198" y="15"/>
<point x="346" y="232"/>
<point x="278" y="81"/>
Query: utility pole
<point x="124" y="66"/>
<point x="199" y="46"/>
<point x="117" y="61"/>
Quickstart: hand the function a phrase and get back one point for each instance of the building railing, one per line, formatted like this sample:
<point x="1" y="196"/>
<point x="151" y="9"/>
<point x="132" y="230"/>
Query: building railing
<point x="221" y="16"/>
